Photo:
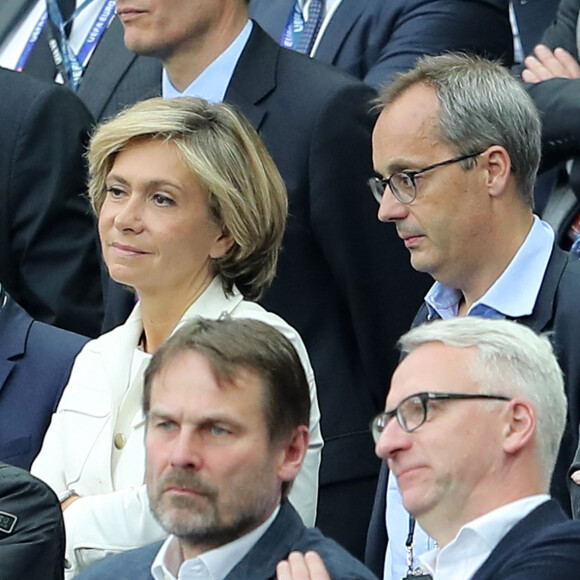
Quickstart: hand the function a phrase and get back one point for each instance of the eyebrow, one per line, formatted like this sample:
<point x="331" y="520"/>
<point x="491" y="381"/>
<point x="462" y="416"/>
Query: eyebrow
<point x="151" y="184"/>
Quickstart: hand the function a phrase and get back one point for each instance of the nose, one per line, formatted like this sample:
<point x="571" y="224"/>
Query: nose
<point x="186" y="450"/>
<point x="391" y="209"/>
<point x="129" y="215"/>
<point x="392" y="440"/>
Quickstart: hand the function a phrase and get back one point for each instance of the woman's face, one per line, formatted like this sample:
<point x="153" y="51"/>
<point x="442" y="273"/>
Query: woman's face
<point x="154" y="224"/>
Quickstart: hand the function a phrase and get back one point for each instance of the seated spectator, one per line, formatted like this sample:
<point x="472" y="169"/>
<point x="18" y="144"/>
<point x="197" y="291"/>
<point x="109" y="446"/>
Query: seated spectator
<point x="458" y="145"/>
<point x="227" y="410"/>
<point x="49" y="257"/>
<point x="474" y="419"/>
<point x="191" y="212"/>
<point x="552" y="74"/>
<point x="31" y="528"/>
<point x="35" y="364"/>
<point x="374" y="39"/>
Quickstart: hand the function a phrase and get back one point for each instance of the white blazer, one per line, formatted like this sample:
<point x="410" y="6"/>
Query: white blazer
<point x="99" y="406"/>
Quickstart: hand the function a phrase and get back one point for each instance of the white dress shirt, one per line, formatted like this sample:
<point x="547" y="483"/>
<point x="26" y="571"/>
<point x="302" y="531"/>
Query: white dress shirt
<point x="476" y="540"/>
<point x="215" y="564"/>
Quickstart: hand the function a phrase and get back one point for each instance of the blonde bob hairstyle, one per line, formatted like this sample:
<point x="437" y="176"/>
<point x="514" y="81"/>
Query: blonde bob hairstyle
<point x="245" y="193"/>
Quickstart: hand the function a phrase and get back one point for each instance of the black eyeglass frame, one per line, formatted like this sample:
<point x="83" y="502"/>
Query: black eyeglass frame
<point x="380" y="421"/>
<point x="378" y="184"/>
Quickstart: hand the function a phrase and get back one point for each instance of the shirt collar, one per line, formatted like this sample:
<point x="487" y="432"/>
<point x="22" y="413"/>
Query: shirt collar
<point x="515" y="292"/>
<point x="216" y="563"/>
<point x="477" y="539"/>
<point x="213" y="82"/>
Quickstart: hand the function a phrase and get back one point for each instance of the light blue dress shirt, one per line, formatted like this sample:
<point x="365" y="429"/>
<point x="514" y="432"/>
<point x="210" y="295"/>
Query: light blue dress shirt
<point x="512" y="295"/>
<point x="213" y="82"/>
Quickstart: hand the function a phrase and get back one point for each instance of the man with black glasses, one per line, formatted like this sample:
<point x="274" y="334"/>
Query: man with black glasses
<point x="458" y="146"/>
<point x="474" y="418"/>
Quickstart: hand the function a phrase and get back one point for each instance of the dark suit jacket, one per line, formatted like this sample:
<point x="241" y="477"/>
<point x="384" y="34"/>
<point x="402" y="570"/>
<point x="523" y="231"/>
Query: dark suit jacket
<point x="49" y="259"/>
<point x="35" y="363"/>
<point x="533" y="17"/>
<point x="33" y="549"/>
<point x="374" y="39"/>
<point x="286" y="534"/>
<point x="545" y="545"/>
<point x="556" y="311"/>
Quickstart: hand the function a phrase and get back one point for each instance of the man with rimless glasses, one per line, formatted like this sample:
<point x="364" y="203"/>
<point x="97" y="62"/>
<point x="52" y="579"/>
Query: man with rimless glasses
<point x="457" y="145"/>
<point x="473" y="422"/>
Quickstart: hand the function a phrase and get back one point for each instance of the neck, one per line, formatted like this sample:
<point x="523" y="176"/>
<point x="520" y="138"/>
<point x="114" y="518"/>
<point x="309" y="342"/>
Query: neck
<point x="161" y="311"/>
<point x="503" y="244"/>
<point x="185" y="64"/>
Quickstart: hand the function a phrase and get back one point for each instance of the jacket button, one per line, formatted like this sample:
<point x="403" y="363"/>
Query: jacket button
<point x="120" y="440"/>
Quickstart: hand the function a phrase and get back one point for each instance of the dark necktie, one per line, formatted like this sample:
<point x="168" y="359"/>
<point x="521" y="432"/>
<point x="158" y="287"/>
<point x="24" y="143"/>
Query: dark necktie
<point x="311" y="27"/>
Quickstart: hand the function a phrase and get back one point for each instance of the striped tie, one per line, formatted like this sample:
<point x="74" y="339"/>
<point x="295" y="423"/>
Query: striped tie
<point x="311" y="27"/>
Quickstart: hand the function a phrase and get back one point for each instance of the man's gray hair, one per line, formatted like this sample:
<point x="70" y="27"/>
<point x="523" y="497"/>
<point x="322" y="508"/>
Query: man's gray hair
<point x="511" y="360"/>
<point x="482" y="104"/>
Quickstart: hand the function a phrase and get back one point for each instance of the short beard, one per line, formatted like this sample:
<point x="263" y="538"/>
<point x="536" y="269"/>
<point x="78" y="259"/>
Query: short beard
<point x="202" y="528"/>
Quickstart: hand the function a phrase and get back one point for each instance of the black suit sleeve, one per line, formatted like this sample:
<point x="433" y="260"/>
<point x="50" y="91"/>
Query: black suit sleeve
<point x="50" y="263"/>
<point x="32" y="536"/>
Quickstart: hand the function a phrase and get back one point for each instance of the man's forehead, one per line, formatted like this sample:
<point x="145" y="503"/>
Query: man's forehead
<point x="432" y="366"/>
<point x="406" y="131"/>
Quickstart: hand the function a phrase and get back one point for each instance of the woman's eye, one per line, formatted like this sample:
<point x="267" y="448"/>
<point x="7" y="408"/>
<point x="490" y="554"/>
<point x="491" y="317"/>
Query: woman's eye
<point x="163" y="200"/>
<point x="115" y="192"/>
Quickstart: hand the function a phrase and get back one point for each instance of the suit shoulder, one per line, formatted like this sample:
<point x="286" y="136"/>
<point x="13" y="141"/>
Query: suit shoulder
<point x="130" y="565"/>
<point x="341" y="564"/>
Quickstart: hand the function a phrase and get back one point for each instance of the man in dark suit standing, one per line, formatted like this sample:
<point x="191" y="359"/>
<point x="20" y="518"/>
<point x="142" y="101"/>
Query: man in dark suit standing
<point x="473" y="421"/>
<point x="458" y="144"/>
<point x="35" y="363"/>
<point x="49" y="255"/>
<point x="31" y="528"/>
<point x="343" y="281"/>
<point x="227" y="407"/>
<point x="373" y="39"/>
<point x="112" y="77"/>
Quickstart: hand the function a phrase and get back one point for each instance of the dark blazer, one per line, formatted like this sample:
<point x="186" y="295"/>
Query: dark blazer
<point x="374" y="39"/>
<point x="556" y="311"/>
<point x="559" y="99"/>
<point x="344" y="280"/>
<point x="533" y="17"/>
<point x="114" y="78"/>
<point x="286" y="534"/>
<point x="31" y="528"/>
<point x="49" y="258"/>
<point x="545" y="545"/>
<point x="35" y="363"/>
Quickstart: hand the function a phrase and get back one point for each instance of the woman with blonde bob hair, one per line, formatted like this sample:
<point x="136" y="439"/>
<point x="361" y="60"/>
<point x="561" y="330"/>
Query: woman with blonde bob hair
<point x="191" y="214"/>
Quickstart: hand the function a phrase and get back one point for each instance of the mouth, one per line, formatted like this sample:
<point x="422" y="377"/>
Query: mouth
<point x="410" y="240"/>
<point x="128" y="13"/>
<point x="127" y="251"/>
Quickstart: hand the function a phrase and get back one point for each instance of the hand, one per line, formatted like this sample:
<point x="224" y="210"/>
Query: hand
<point x="299" y="566"/>
<point x="68" y="501"/>
<point x="576" y="477"/>
<point x="545" y="65"/>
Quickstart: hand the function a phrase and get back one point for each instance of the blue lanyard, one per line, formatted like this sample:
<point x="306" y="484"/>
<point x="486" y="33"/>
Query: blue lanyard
<point x="293" y="29"/>
<point x="69" y="65"/>
<point x="32" y="41"/>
